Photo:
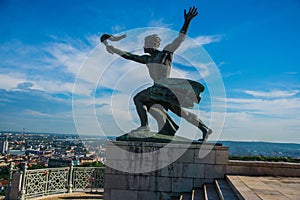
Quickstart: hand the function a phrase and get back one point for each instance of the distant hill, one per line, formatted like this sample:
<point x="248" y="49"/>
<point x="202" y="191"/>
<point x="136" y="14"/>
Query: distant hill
<point x="262" y="148"/>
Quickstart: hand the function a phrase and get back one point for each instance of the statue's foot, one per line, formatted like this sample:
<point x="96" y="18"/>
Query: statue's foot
<point x="141" y="129"/>
<point x="206" y="132"/>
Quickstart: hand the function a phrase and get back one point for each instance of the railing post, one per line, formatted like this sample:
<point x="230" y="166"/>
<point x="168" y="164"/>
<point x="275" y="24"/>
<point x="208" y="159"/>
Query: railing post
<point x="46" y="191"/>
<point x="8" y="189"/>
<point x="23" y="184"/>
<point x="70" y="178"/>
<point x="93" y="179"/>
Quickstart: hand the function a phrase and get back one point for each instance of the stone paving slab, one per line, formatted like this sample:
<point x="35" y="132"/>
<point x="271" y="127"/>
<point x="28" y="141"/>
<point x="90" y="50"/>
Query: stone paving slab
<point x="74" y="196"/>
<point x="266" y="187"/>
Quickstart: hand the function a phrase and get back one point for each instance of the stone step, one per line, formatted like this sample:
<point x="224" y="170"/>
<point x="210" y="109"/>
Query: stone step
<point x="219" y="190"/>
<point x="176" y="197"/>
<point x="224" y="190"/>
<point x="186" y="196"/>
<point x="199" y="194"/>
<point x="210" y="192"/>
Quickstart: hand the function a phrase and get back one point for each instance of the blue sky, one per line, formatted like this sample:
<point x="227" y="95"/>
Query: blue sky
<point x="253" y="43"/>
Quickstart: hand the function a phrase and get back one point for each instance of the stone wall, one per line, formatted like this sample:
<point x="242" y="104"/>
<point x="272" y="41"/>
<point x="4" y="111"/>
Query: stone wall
<point x="260" y="168"/>
<point x="136" y="173"/>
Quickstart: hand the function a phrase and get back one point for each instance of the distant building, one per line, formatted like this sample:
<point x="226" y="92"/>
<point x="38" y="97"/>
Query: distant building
<point x="59" y="163"/>
<point x="4" y="144"/>
<point x="86" y="160"/>
<point x="31" y="151"/>
<point x="16" y="152"/>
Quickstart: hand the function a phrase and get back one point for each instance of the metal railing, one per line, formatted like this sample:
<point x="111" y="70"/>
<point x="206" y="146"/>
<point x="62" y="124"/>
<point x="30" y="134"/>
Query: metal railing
<point x="48" y="181"/>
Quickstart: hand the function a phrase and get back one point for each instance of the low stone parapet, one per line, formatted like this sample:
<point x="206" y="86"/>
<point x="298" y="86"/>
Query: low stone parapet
<point x="260" y="168"/>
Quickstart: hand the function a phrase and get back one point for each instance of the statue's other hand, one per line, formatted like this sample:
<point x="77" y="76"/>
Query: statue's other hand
<point x="191" y="14"/>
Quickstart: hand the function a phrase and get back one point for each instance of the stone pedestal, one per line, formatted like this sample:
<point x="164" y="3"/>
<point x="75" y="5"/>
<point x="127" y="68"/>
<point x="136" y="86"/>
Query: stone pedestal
<point x="160" y="171"/>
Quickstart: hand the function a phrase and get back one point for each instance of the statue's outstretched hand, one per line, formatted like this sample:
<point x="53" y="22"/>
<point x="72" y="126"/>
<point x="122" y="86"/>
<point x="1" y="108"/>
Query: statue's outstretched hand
<point x="110" y="49"/>
<point x="191" y="14"/>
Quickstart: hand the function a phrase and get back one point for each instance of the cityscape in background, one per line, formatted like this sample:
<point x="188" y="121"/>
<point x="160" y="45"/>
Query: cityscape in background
<point x="42" y="150"/>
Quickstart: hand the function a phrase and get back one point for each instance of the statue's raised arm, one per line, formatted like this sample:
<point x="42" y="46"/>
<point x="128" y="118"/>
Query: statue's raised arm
<point x="127" y="55"/>
<point x="188" y="16"/>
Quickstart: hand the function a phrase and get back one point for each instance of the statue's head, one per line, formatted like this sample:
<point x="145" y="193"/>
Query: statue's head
<point x="151" y="42"/>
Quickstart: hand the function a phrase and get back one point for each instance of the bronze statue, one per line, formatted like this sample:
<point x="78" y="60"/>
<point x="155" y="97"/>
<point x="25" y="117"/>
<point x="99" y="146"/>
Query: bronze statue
<point x="166" y="93"/>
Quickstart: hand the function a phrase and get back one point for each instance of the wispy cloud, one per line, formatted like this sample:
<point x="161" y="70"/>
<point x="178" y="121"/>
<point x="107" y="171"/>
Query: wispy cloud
<point x="231" y="74"/>
<point x="242" y="125"/>
<point x="208" y="39"/>
<point x="192" y="43"/>
<point x="68" y="54"/>
<point x="118" y="28"/>
<point x="159" y="23"/>
<point x="278" y="105"/>
<point x="10" y="81"/>
<point x="35" y="113"/>
<point x="266" y="116"/>
<point x="52" y="65"/>
<point x="273" y="93"/>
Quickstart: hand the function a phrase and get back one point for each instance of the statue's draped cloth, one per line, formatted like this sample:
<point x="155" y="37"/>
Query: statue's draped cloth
<point x="181" y="92"/>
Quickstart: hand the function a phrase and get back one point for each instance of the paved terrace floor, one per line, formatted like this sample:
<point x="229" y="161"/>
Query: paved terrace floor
<point x="75" y="196"/>
<point x="250" y="187"/>
<point x="267" y="188"/>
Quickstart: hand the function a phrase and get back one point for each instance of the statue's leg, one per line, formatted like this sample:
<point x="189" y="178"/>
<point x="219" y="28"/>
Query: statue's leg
<point x="170" y="124"/>
<point x="193" y="119"/>
<point x="139" y="101"/>
<point x="166" y="125"/>
<point x="143" y="103"/>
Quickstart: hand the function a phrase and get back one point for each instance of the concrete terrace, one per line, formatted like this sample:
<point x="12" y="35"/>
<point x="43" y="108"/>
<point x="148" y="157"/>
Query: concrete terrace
<point x="246" y="187"/>
<point x="266" y="187"/>
<point x="75" y="196"/>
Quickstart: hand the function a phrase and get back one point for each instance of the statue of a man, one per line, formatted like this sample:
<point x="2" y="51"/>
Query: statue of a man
<point x="160" y="97"/>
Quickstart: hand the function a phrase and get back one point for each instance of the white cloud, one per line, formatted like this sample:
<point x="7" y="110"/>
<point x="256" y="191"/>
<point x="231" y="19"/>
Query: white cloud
<point x="118" y="28"/>
<point x="55" y="86"/>
<point x="159" y="23"/>
<point x="231" y="74"/>
<point x="247" y="127"/>
<point x="263" y="119"/>
<point x="192" y="43"/>
<point x="273" y="93"/>
<point x="35" y="113"/>
<point x="268" y="116"/>
<point x="283" y="108"/>
<point x="46" y="65"/>
<point x="69" y="55"/>
<point x="208" y="39"/>
<point x="11" y="81"/>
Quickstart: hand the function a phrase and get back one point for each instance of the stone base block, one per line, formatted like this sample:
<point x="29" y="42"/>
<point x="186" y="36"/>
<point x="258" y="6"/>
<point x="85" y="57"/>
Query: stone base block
<point x="160" y="171"/>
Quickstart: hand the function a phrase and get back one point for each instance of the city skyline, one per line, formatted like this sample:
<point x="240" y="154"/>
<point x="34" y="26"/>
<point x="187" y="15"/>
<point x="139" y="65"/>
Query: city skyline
<point x="254" y="45"/>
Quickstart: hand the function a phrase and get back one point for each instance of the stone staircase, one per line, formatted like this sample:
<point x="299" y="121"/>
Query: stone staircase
<point x="221" y="189"/>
